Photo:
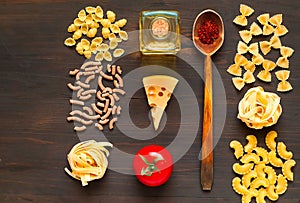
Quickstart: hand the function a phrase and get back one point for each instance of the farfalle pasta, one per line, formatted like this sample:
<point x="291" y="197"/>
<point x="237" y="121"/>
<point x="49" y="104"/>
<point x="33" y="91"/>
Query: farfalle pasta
<point x="235" y="69"/>
<point x="259" y="109"/>
<point x="257" y="177"/>
<point x="276" y="21"/>
<point x="265" y="46"/>
<point x="283" y="85"/>
<point x="263" y="19"/>
<point x="267" y="25"/>
<point x="242" y="48"/>
<point x="250" y="66"/>
<point x="239" y="82"/>
<point x="283" y="61"/>
<point x="245" y="12"/>
<point x="255" y="60"/>
<point x="246" y="35"/>
<point x="265" y="74"/>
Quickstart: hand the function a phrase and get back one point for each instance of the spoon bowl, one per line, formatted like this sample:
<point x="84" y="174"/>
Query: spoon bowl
<point x="208" y="49"/>
<point x="206" y="173"/>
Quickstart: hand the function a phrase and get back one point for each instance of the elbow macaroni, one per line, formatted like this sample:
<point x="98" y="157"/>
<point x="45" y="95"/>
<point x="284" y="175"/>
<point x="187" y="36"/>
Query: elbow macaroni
<point x="258" y="177"/>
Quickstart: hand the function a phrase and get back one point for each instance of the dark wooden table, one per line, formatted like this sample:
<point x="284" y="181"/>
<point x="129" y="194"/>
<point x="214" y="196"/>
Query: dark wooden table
<point x="35" y="136"/>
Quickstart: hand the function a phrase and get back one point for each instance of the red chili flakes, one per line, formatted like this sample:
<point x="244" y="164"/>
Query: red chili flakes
<point x="208" y="32"/>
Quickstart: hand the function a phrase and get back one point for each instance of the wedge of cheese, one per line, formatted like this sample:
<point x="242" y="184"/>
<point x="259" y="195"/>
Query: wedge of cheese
<point x="159" y="89"/>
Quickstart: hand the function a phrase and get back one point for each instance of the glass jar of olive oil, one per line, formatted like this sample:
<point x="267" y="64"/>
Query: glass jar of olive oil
<point x="159" y="32"/>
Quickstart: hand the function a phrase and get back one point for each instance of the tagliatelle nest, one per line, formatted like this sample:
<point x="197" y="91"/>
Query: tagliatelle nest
<point x="259" y="109"/>
<point x="88" y="160"/>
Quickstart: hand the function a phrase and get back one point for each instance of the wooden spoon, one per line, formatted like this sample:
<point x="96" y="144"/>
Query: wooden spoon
<point x="207" y="136"/>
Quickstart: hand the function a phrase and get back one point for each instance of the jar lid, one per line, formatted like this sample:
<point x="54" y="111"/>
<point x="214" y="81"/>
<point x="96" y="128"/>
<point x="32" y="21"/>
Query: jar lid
<point x="160" y="27"/>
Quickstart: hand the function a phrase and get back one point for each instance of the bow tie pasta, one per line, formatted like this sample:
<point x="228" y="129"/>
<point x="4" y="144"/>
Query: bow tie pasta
<point x="283" y="85"/>
<point x="243" y="68"/>
<point x="245" y="12"/>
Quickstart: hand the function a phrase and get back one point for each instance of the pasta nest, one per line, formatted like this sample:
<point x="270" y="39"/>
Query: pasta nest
<point x="259" y="109"/>
<point x="88" y="160"/>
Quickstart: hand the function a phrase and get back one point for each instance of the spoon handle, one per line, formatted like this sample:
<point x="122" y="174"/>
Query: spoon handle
<point x="207" y="129"/>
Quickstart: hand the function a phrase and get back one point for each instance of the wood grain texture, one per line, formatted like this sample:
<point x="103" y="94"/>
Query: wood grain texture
<point x="35" y="136"/>
<point x="207" y="161"/>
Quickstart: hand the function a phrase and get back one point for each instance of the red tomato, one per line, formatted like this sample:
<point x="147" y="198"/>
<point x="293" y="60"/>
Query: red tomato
<point x="153" y="165"/>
